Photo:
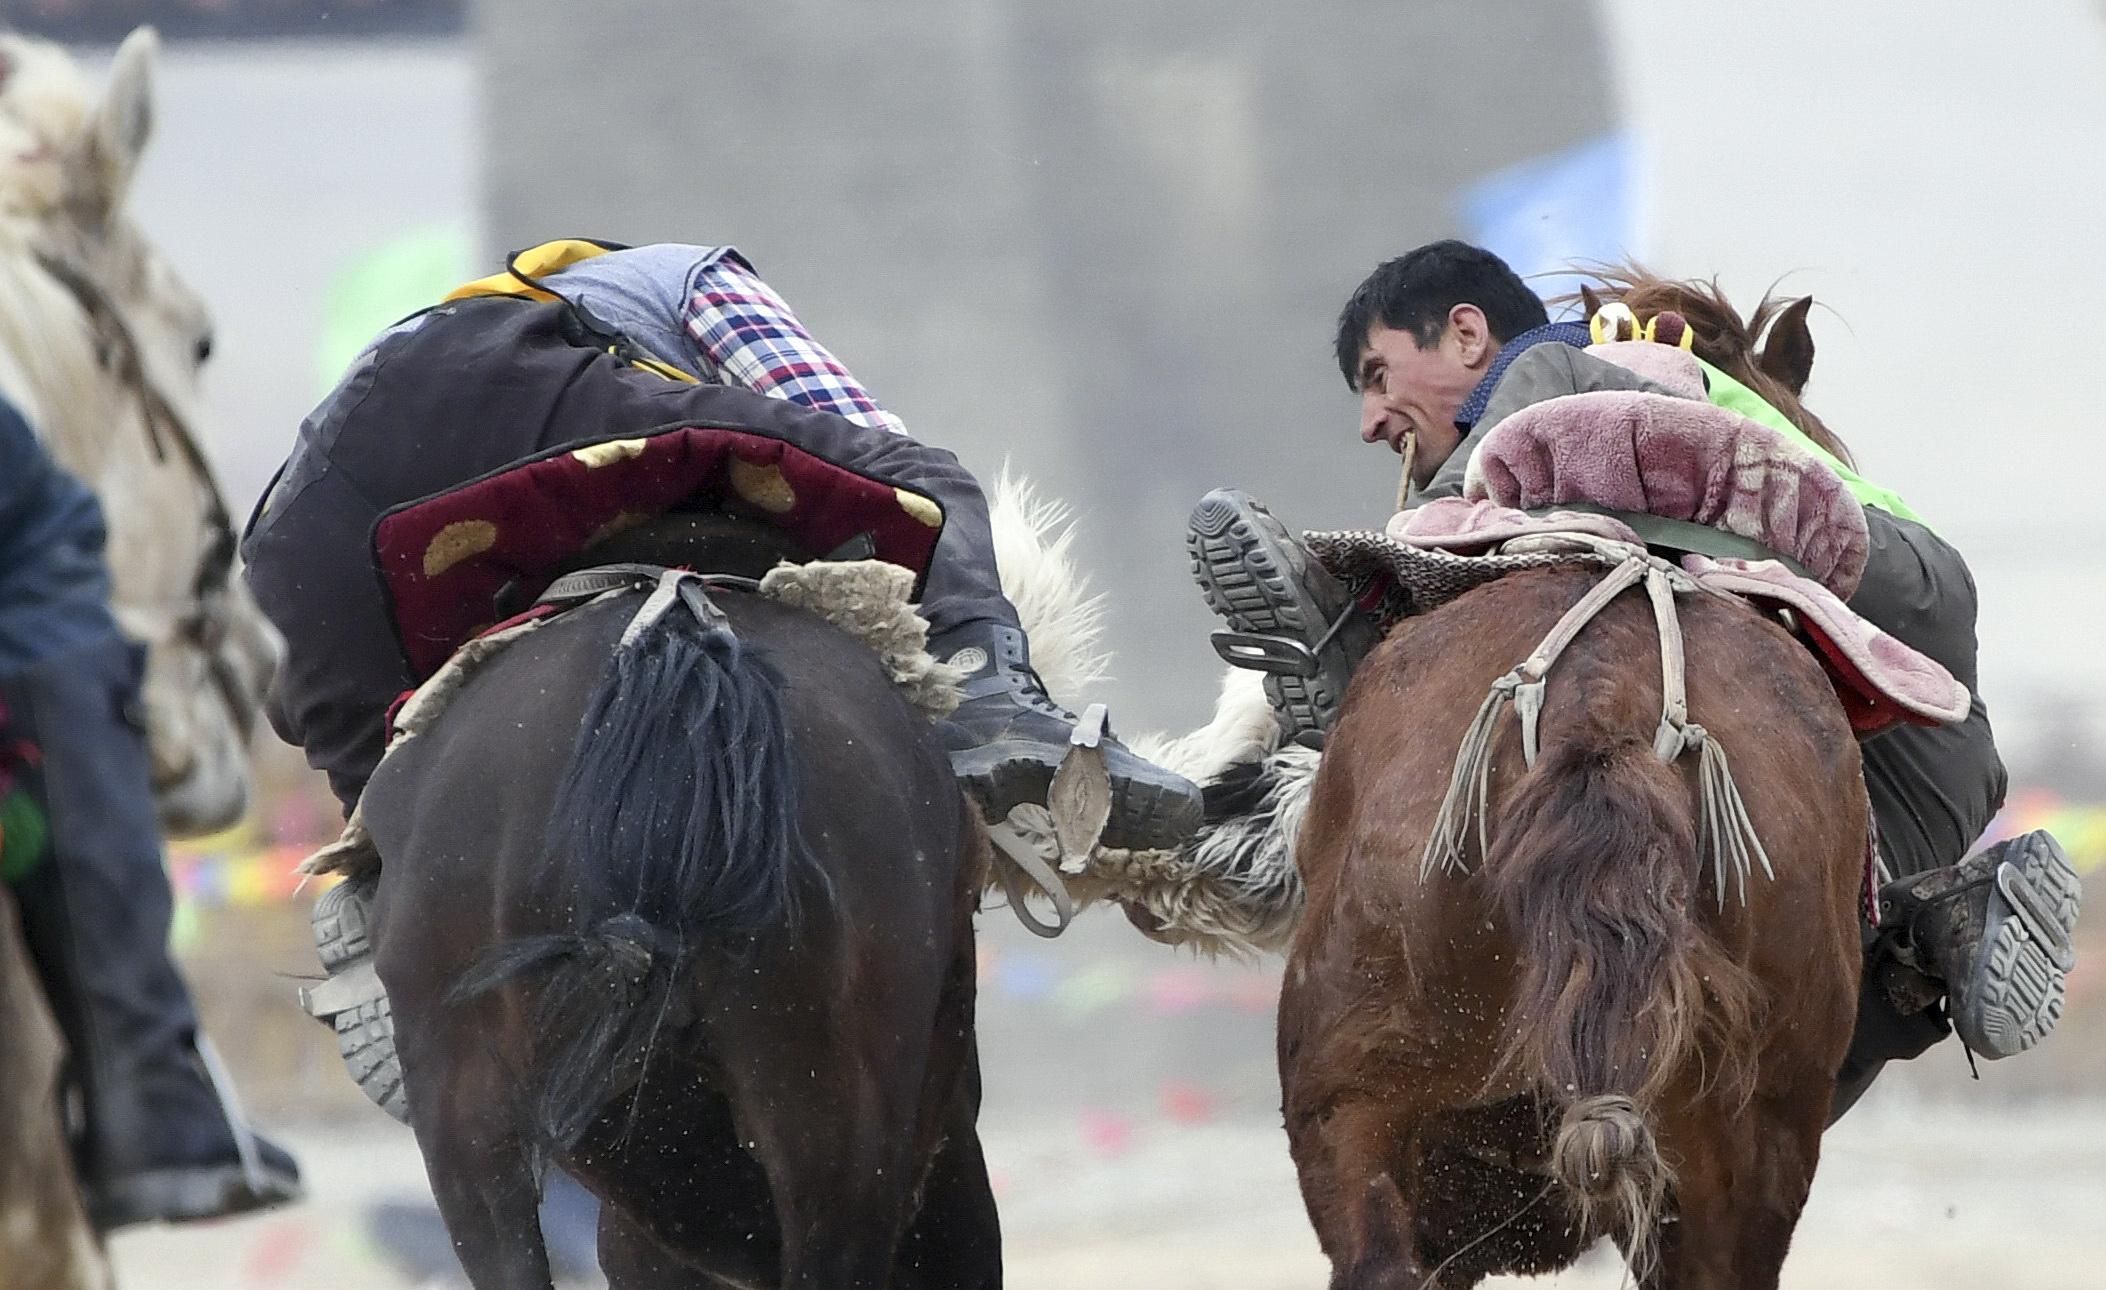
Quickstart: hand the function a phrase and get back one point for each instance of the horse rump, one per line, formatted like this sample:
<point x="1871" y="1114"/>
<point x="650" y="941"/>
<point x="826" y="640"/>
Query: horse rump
<point x="1619" y="985"/>
<point x="674" y="829"/>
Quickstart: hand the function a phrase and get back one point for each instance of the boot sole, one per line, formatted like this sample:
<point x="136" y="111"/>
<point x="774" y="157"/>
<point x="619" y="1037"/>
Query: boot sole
<point x="1146" y="815"/>
<point x="341" y="934"/>
<point x="2020" y="987"/>
<point x="1253" y="592"/>
<point x="365" y="1035"/>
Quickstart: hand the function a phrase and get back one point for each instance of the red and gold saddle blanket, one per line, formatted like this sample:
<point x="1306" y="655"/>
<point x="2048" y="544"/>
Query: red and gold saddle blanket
<point x="445" y="559"/>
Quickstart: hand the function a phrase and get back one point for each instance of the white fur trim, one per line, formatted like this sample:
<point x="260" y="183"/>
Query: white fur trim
<point x="1234" y="887"/>
<point x="1034" y="537"/>
<point x="872" y="601"/>
<point x="1244" y="728"/>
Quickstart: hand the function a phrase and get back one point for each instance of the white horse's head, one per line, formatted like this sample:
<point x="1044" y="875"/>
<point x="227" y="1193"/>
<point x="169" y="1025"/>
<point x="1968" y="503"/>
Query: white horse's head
<point x="101" y="347"/>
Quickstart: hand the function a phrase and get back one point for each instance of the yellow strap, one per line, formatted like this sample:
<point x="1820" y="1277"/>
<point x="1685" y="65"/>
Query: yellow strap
<point x="656" y="368"/>
<point x="534" y="262"/>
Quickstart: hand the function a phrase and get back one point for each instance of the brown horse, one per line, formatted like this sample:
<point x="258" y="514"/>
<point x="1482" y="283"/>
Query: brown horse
<point x="1585" y="1032"/>
<point x="46" y="1241"/>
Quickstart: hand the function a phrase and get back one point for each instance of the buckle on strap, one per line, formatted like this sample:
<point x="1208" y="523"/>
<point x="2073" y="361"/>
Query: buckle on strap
<point x="1260" y="652"/>
<point x="585" y="584"/>
<point x="1092" y="727"/>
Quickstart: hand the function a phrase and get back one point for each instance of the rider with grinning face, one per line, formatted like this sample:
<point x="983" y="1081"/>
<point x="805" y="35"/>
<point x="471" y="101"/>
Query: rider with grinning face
<point x="1445" y="341"/>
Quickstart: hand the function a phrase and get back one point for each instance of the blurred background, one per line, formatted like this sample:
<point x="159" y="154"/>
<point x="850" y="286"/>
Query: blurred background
<point x="1105" y="242"/>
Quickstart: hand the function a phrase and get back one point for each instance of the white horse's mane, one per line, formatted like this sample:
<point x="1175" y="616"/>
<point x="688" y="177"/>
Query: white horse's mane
<point x="45" y="347"/>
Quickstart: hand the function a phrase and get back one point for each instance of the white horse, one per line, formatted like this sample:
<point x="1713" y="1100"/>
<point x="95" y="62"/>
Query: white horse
<point x="101" y="346"/>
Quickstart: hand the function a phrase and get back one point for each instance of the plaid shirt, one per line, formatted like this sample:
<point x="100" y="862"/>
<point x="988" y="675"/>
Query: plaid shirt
<point x="749" y="337"/>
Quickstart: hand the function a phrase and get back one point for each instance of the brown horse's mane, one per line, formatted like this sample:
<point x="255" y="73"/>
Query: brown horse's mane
<point x="1723" y="338"/>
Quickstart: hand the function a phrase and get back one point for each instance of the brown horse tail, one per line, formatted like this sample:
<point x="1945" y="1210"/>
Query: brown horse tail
<point x="1620" y="985"/>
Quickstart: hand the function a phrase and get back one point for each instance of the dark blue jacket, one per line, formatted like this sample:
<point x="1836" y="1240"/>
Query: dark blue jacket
<point x="54" y="584"/>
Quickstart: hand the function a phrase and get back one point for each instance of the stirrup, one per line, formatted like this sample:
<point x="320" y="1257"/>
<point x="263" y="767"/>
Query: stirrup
<point x="1279" y="655"/>
<point x="1262" y="652"/>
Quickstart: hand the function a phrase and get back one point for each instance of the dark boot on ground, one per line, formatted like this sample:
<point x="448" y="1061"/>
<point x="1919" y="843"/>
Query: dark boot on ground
<point x="1996" y="929"/>
<point x="1008" y="737"/>
<point x="165" y="1144"/>
<point x="157" y="1137"/>
<point x="1264" y="583"/>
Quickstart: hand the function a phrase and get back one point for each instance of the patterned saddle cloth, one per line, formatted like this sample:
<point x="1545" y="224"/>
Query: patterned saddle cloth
<point x="446" y="560"/>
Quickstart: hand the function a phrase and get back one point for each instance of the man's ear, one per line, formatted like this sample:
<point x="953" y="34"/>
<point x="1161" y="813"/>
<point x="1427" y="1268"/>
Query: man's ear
<point x="1473" y="335"/>
<point x="1787" y="351"/>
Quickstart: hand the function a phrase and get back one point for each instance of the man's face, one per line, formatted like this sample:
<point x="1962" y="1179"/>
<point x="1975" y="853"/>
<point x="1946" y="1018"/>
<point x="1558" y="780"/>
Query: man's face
<point x="1408" y="390"/>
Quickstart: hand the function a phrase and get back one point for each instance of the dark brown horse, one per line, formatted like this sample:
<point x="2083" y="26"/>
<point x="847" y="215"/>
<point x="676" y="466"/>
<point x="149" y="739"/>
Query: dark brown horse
<point x="46" y="1241"/>
<point x="1581" y="1035"/>
<point x="689" y="915"/>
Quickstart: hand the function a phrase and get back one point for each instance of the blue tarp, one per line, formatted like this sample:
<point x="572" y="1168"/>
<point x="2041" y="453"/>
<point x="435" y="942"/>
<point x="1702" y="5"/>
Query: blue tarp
<point x="1548" y="213"/>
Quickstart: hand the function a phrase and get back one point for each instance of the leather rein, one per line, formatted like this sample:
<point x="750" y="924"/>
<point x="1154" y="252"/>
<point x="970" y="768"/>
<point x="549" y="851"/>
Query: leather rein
<point x="118" y="353"/>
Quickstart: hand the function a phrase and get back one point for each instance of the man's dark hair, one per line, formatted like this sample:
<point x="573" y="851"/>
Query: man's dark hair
<point x="1414" y="292"/>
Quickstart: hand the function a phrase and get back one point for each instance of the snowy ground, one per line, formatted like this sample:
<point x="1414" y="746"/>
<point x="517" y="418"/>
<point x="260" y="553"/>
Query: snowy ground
<point x="1924" y="1195"/>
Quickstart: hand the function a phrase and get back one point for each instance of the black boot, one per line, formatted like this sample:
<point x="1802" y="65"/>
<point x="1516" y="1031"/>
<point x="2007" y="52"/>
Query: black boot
<point x="1264" y="584"/>
<point x="158" y="1139"/>
<point x="1996" y="929"/>
<point x="1008" y="737"/>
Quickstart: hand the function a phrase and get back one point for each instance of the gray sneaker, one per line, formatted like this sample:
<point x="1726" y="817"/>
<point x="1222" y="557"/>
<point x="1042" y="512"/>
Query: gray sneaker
<point x="1997" y="929"/>
<point x="1287" y="616"/>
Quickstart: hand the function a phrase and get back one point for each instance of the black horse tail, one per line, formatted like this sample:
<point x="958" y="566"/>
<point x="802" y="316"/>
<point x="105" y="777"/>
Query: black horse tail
<point x="675" y="829"/>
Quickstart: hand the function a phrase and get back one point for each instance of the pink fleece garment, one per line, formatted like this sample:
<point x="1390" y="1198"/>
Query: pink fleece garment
<point x="1679" y="459"/>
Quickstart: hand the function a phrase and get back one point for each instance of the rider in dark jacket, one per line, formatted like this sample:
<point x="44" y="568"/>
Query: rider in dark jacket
<point x="159" y="1141"/>
<point x="518" y="365"/>
<point x="1443" y="343"/>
